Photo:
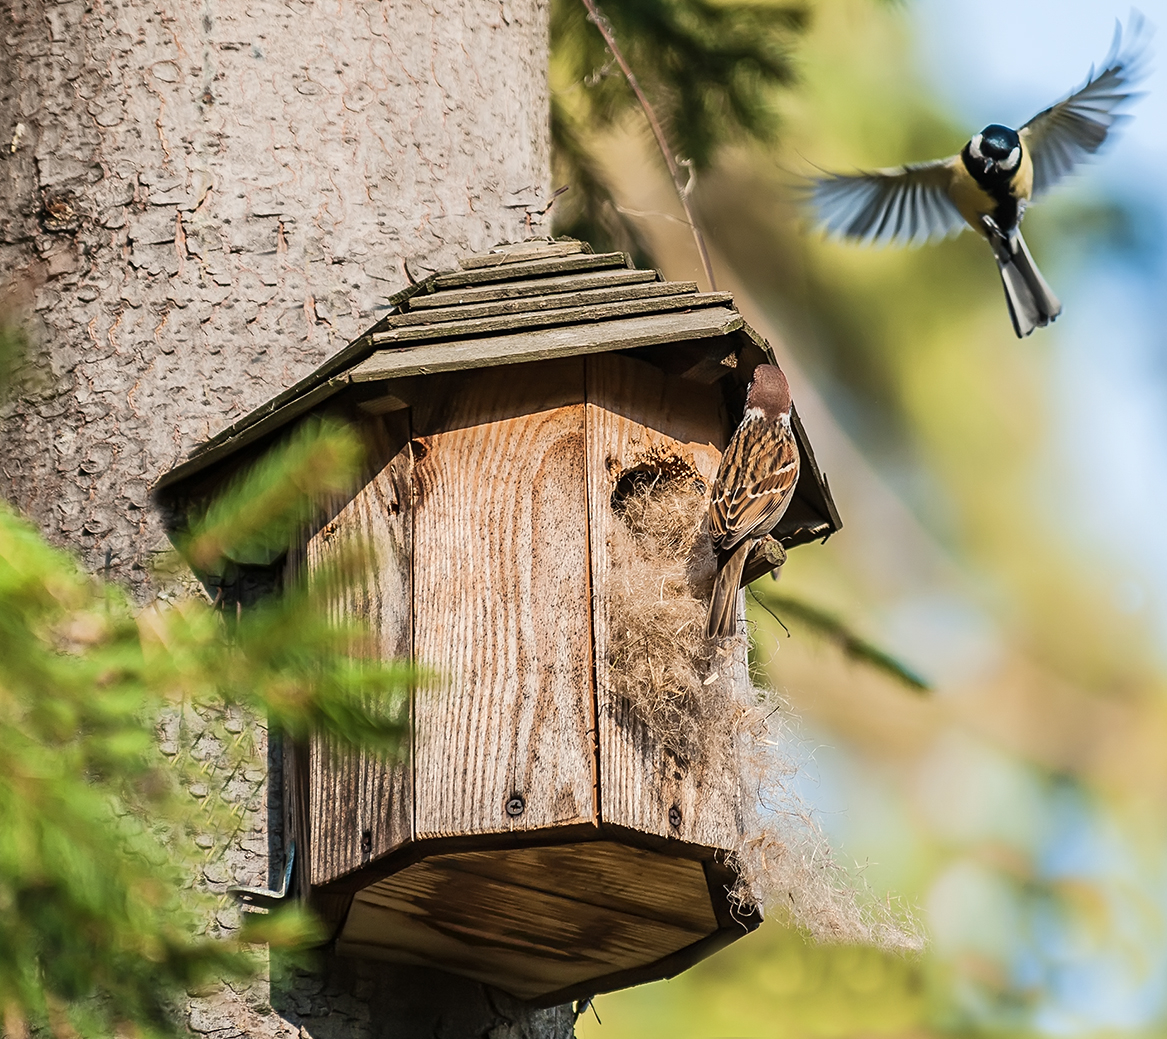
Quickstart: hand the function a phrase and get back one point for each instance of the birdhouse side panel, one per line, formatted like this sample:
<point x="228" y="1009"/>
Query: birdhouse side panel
<point x="504" y="733"/>
<point x="665" y="738"/>
<point x="360" y="806"/>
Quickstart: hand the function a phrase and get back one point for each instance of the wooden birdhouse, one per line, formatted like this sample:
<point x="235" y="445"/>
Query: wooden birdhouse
<point x="546" y="835"/>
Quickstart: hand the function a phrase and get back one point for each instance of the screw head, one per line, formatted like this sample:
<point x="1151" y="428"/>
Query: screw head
<point x="675" y="817"/>
<point x="515" y="805"/>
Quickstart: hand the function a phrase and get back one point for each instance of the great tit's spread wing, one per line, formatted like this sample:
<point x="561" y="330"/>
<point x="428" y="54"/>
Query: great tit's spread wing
<point x="1067" y="133"/>
<point x="906" y="205"/>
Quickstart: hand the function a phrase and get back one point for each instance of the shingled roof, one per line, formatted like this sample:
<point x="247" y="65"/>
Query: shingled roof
<point x="527" y="302"/>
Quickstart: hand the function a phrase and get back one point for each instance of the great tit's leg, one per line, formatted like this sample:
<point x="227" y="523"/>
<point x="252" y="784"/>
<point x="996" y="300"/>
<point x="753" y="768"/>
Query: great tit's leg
<point x="998" y="240"/>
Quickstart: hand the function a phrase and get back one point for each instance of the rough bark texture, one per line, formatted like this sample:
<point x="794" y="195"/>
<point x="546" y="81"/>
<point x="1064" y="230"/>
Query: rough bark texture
<point x="199" y="202"/>
<point x="207" y="199"/>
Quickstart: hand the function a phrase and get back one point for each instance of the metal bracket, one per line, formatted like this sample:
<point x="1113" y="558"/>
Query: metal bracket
<point x="263" y="897"/>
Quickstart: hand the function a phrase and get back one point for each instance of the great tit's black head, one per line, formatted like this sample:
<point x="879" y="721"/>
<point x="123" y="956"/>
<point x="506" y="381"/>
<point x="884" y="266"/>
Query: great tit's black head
<point x="995" y="150"/>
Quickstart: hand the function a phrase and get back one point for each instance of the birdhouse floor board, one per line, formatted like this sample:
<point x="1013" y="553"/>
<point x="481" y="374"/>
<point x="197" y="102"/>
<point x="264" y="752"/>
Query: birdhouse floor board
<point x="541" y="303"/>
<point x="530" y="269"/>
<point x="534" y="287"/>
<point x="618" y="334"/>
<point x="669" y="890"/>
<point x="454" y="912"/>
<point x="659" y="303"/>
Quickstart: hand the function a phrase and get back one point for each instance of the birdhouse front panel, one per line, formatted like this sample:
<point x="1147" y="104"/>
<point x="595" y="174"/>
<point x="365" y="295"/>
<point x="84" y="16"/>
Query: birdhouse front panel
<point x="501" y="603"/>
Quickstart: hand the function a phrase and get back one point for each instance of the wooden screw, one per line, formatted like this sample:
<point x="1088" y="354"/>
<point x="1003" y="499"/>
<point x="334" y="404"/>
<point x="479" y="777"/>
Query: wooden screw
<point x="675" y="817"/>
<point x="515" y="805"/>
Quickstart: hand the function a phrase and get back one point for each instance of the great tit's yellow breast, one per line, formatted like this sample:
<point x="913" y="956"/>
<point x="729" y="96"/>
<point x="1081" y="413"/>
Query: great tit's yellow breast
<point x="1021" y="186"/>
<point x="970" y="198"/>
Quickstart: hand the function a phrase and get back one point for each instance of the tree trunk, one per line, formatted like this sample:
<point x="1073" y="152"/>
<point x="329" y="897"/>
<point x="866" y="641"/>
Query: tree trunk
<point x="199" y="203"/>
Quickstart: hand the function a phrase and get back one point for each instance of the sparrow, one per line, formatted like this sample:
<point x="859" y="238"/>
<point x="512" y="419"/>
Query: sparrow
<point x="755" y="482"/>
<point x="988" y="185"/>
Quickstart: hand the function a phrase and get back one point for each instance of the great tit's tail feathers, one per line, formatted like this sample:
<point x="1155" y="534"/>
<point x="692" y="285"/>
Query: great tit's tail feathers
<point x="722" y="622"/>
<point x="1032" y="303"/>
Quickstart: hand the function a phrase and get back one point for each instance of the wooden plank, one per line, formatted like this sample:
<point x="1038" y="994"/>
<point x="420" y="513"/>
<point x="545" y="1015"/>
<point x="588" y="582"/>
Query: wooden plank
<point x="546" y="343"/>
<point x="603" y="873"/>
<point x="543" y="302"/>
<point x="534" y="287"/>
<point x="523" y="940"/>
<point x="501" y="602"/>
<point x="521" y="252"/>
<point x="816" y="491"/>
<point x="560" y="316"/>
<point x="660" y="970"/>
<point x="635" y="411"/>
<point x="531" y="269"/>
<point x="360" y="806"/>
<point x="247" y="430"/>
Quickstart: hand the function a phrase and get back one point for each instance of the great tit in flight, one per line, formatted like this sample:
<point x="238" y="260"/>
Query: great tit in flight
<point x="988" y="185"/>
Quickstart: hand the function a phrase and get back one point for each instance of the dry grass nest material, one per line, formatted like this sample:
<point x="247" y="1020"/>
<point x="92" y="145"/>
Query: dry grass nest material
<point x="694" y="698"/>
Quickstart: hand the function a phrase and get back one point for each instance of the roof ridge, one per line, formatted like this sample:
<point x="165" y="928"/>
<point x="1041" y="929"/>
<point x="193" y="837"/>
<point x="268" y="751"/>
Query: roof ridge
<point x="529" y="249"/>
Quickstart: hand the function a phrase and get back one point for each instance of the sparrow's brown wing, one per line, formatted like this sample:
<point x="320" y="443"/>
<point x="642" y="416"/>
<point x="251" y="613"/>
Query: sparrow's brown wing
<point x="754" y="484"/>
<point x="1067" y="133"/>
<point x="907" y="205"/>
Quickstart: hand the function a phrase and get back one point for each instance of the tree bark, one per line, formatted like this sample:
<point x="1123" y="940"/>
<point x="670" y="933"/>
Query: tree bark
<point x="207" y="199"/>
<point x="199" y="203"/>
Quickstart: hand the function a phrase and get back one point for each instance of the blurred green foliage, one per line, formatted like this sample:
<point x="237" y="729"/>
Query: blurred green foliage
<point x="125" y="738"/>
<point x="1021" y="808"/>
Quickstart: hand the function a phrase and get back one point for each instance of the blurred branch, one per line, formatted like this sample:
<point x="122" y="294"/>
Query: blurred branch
<point x="835" y="630"/>
<point x="589" y="211"/>
<point x="711" y="67"/>
<point x="679" y="183"/>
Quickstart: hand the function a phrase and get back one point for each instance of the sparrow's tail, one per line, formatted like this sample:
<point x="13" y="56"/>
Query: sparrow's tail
<point x="722" y="622"/>
<point x="1031" y="301"/>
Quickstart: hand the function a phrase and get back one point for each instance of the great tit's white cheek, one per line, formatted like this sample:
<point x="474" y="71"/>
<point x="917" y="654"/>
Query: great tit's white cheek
<point x="974" y="147"/>
<point x="1012" y="159"/>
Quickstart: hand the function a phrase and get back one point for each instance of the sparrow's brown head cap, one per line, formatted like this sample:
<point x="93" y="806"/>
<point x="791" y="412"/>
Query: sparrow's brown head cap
<point x="769" y="391"/>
